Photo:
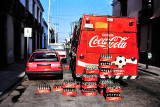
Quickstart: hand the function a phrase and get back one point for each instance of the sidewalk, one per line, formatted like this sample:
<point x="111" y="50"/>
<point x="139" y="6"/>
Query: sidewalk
<point x="10" y="75"/>
<point x="151" y="69"/>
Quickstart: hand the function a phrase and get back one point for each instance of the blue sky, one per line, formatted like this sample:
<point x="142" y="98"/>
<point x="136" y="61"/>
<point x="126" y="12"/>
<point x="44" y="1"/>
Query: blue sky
<point x="66" y="11"/>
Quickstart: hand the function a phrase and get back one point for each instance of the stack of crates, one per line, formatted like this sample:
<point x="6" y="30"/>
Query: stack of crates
<point x="112" y="92"/>
<point x="105" y="64"/>
<point x="89" y="80"/>
<point x="58" y="87"/>
<point x="109" y="89"/>
<point x="43" y="88"/>
<point x="69" y="87"/>
<point x="103" y="84"/>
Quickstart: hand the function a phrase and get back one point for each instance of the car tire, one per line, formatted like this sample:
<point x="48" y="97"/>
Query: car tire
<point x="30" y="78"/>
<point x="60" y="76"/>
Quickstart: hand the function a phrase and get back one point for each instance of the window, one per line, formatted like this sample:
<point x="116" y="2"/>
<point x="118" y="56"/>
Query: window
<point x="147" y="4"/>
<point x="40" y="17"/>
<point x="44" y="57"/>
<point x="38" y="14"/>
<point x="27" y="5"/>
<point x="123" y="7"/>
<point x="33" y="8"/>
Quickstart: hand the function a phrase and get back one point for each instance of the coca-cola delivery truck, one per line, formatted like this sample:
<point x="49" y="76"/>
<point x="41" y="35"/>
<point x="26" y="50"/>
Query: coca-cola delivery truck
<point x="106" y="46"/>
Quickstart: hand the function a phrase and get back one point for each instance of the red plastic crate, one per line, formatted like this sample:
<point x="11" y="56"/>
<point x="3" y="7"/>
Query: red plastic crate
<point x="57" y="88"/>
<point x="101" y="91"/>
<point x="105" y="66"/>
<point x="91" y="71"/>
<point x="43" y="90"/>
<point x="85" y="86"/>
<point x="101" y="85"/>
<point x="114" y="90"/>
<point x="89" y="93"/>
<point x="90" y="78"/>
<point x="69" y="85"/>
<point x="118" y="73"/>
<point x="105" y="73"/>
<point x="106" y="59"/>
<point x="66" y="67"/>
<point x="69" y="92"/>
<point x="78" y="86"/>
<point x="113" y="98"/>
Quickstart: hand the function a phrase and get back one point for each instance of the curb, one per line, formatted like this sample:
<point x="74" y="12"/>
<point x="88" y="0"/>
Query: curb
<point x="147" y="71"/>
<point x="17" y="82"/>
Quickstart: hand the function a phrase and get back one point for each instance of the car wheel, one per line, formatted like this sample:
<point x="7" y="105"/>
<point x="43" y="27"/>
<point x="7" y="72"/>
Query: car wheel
<point x="60" y="76"/>
<point x="30" y="78"/>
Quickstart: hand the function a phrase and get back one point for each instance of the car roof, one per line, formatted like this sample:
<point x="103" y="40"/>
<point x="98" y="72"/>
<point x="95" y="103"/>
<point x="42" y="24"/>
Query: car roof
<point x="44" y="51"/>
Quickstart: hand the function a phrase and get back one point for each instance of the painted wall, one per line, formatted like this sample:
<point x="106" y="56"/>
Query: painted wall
<point x="156" y="8"/>
<point x="45" y="35"/>
<point x="30" y="2"/>
<point x="133" y="7"/>
<point x="23" y="2"/>
<point x="116" y="9"/>
<point x="10" y="38"/>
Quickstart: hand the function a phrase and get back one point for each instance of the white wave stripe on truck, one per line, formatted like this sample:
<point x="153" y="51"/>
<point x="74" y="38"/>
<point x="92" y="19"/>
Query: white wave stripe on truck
<point x="83" y="64"/>
<point x="129" y="61"/>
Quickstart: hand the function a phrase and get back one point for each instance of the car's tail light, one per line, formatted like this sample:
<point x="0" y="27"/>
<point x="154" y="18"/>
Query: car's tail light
<point x="133" y="58"/>
<point x="27" y="67"/>
<point x="81" y="56"/>
<point x="131" y="23"/>
<point x="87" y="20"/>
<point x="88" y="25"/>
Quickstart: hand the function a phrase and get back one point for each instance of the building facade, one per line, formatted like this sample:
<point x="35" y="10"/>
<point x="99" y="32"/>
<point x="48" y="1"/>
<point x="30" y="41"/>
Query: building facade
<point x="45" y="35"/>
<point x="147" y="13"/>
<point x="15" y="15"/>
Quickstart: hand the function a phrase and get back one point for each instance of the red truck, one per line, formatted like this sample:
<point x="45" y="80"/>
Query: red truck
<point x="105" y="45"/>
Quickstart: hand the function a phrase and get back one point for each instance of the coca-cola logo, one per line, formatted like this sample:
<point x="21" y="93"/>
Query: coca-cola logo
<point x="114" y="42"/>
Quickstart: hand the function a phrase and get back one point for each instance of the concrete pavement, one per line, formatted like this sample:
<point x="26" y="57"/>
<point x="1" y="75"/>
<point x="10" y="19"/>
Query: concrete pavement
<point x="151" y="69"/>
<point x="10" y="76"/>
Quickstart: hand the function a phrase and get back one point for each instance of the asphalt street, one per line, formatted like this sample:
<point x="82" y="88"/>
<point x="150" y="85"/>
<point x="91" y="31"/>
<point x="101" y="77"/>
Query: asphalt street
<point x="143" y="92"/>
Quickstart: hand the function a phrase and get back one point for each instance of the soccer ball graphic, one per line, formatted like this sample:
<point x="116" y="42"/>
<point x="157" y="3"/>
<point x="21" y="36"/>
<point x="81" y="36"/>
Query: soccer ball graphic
<point x="120" y="61"/>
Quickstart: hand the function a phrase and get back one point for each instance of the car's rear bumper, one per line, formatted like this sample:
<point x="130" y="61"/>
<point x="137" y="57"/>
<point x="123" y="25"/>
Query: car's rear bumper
<point x="43" y="73"/>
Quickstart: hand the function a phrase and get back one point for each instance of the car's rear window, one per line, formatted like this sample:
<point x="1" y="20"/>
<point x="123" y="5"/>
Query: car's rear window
<point x="44" y="57"/>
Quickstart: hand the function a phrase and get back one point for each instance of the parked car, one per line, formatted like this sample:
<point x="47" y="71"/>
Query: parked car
<point x="44" y="63"/>
<point x="60" y="49"/>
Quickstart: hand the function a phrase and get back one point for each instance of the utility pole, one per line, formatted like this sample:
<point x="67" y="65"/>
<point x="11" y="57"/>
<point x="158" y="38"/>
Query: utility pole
<point x="48" y="22"/>
<point x="55" y="31"/>
<point x="71" y="30"/>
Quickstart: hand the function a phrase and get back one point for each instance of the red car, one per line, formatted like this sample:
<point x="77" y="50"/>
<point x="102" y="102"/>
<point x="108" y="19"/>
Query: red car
<point x="44" y="63"/>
